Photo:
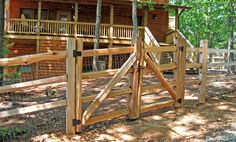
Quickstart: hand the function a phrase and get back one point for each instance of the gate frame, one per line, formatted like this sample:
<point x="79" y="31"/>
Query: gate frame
<point x="76" y="119"/>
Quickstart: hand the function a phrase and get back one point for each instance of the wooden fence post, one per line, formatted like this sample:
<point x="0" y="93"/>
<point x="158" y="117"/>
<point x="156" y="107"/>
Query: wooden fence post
<point x="135" y="97"/>
<point x="78" y="84"/>
<point x="203" y="71"/>
<point x="179" y="73"/>
<point x="70" y="92"/>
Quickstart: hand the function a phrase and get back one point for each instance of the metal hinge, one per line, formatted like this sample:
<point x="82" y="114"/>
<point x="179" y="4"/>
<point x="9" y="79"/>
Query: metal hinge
<point x="139" y="68"/>
<point x="76" y="122"/>
<point x="77" y="53"/>
<point x="179" y="101"/>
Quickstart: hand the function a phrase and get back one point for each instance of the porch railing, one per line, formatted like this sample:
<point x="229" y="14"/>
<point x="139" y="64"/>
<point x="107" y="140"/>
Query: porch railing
<point x="66" y="28"/>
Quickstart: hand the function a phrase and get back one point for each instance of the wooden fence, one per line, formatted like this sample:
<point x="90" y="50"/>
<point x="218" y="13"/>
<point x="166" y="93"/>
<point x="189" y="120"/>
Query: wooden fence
<point x="139" y="63"/>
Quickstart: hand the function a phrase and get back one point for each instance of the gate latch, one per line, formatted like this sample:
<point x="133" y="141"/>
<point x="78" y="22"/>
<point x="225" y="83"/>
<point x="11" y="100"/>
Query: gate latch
<point x="77" y="53"/>
<point x="76" y="122"/>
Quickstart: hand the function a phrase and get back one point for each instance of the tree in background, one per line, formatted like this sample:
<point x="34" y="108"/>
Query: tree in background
<point x="2" y="12"/>
<point x="97" y="32"/>
<point x="209" y="19"/>
<point x="135" y="5"/>
<point x="135" y="21"/>
<point x="231" y="17"/>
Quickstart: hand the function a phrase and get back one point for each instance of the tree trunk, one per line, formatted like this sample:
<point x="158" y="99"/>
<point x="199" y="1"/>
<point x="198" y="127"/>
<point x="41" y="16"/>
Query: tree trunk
<point x="231" y="22"/>
<point x="2" y="6"/>
<point x="97" y="33"/>
<point x="2" y="12"/>
<point x="135" y="22"/>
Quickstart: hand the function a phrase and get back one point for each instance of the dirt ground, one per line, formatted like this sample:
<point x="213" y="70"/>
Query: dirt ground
<point x="213" y="121"/>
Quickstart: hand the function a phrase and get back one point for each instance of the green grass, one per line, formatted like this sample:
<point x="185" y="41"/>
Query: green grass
<point x="9" y="133"/>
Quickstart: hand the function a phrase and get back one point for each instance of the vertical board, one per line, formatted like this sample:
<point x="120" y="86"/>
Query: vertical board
<point x="76" y="19"/>
<point x="135" y="97"/>
<point x="111" y="35"/>
<point x="203" y="71"/>
<point x="79" y="71"/>
<point x="177" y="56"/>
<point x="70" y="92"/>
<point x="179" y="73"/>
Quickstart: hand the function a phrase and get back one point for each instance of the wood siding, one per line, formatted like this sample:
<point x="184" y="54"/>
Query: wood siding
<point x="87" y="12"/>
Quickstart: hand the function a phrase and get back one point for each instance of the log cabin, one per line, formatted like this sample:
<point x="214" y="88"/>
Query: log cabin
<point x="38" y="26"/>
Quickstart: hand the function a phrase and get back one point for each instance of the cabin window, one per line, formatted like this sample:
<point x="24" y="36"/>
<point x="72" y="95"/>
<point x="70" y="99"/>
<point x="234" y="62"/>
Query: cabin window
<point x="25" y="69"/>
<point x="139" y="20"/>
<point x="44" y="14"/>
<point x="33" y="13"/>
<point x="28" y="13"/>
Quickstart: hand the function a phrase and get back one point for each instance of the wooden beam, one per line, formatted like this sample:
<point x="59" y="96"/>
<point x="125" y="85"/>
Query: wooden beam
<point x="107" y="116"/>
<point x="78" y="84"/>
<point x="105" y="92"/>
<point x="156" y="87"/>
<point x="211" y="50"/>
<point x="30" y="84"/>
<point x="110" y="51"/>
<point x="110" y="72"/>
<point x="135" y="97"/>
<point x="209" y="65"/>
<point x="128" y="91"/>
<point x="193" y="65"/>
<point x="203" y="71"/>
<point x="158" y="73"/>
<point x="224" y="78"/>
<point x="29" y="59"/>
<point x="76" y="19"/>
<point x="123" y="112"/>
<point x="112" y="94"/>
<point x="85" y="39"/>
<point x="197" y="50"/>
<point x="33" y="108"/>
<point x="70" y="92"/>
<point x="154" y="106"/>
<point x="179" y="74"/>
<point x="111" y="35"/>
<point x="37" y="64"/>
<point x="161" y="49"/>
<point x="39" y="16"/>
<point x="38" y="34"/>
<point x="145" y="22"/>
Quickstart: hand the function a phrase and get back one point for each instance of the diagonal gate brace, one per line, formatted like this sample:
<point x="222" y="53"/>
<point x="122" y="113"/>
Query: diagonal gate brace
<point x="105" y="92"/>
<point x="160" y="76"/>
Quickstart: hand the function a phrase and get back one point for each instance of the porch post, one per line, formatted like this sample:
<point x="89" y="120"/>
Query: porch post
<point x="111" y="34"/>
<point x="76" y="19"/>
<point x="145" y="18"/>
<point x="38" y="34"/>
<point x="176" y="19"/>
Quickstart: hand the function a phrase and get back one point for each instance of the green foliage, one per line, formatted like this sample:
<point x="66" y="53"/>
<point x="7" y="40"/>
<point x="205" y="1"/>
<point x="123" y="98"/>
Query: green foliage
<point x="11" y="79"/>
<point x="208" y="19"/>
<point x="9" y="133"/>
<point x="149" y="4"/>
<point x="5" y="50"/>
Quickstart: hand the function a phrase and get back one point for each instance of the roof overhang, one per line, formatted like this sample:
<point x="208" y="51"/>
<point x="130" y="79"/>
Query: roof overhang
<point x="176" y="7"/>
<point x="168" y="6"/>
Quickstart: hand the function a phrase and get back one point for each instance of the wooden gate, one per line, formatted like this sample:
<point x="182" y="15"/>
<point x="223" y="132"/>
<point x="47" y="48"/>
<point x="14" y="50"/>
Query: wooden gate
<point x="136" y="65"/>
